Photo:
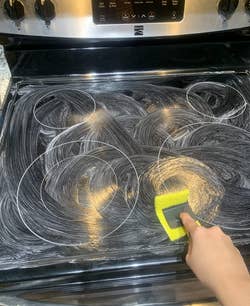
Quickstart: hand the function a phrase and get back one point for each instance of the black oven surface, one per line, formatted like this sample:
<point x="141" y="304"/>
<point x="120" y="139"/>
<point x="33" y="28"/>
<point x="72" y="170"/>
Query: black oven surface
<point x="82" y="161"/>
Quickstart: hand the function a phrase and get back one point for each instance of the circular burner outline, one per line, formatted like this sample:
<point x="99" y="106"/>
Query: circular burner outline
<point x="237" y="113"/>
<point x="104" y="236"/>
<point x="59" y="90"/>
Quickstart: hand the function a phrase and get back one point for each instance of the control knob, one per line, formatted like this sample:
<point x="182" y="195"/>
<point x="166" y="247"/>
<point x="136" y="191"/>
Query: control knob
<point x="226" y="8"/>
<point x="45" y="9"/>
<point x="14" y="9"/>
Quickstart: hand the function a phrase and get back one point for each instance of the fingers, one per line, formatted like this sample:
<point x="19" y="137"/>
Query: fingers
<point x="189" y="223"/>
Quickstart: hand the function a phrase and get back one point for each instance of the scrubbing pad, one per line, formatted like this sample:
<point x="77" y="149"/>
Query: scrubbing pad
<point x="168" y="208"/>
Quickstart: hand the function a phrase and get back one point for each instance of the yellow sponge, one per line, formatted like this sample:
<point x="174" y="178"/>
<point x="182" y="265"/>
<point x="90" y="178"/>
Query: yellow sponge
<point x="168" y="208"/>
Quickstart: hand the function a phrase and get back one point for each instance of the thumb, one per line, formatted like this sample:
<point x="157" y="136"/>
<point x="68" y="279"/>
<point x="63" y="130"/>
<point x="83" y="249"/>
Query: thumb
<point x="189" y="223"/>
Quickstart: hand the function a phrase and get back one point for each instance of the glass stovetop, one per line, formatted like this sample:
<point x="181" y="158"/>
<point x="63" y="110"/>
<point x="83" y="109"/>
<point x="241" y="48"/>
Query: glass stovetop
<point x="82" y="161"/>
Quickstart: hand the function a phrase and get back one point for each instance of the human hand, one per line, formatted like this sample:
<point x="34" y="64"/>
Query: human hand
<point x="217" y="262"/>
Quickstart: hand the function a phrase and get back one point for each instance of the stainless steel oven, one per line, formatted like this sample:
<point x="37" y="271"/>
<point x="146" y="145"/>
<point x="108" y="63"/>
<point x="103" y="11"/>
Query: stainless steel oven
<point x="104" y="105"/>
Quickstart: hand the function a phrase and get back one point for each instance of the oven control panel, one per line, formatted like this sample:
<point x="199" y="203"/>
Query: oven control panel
<point x="137" y="11"/>
<point x="91" y="19"/>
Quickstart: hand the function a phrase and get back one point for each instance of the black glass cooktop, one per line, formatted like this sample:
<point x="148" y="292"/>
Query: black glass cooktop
<point x="82" y="160"/>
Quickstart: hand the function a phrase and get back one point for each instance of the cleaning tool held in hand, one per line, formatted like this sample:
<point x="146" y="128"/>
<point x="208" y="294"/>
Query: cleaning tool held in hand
<point x="168" y="208"/>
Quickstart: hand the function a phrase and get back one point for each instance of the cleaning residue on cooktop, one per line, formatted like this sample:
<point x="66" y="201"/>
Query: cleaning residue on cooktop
<point x="81" y="165"/>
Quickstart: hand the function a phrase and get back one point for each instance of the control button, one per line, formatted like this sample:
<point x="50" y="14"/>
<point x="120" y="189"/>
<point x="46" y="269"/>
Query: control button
<point x="247" y="6"/>
<point x="226" y="8"/>
<point x="151" y="15"/>
<point x="125" y="16"/>
<point x="101" y="4"/>
<point x="112" y="4"/>
<point x="45" y="9"/>
<point x="14" y="9"/>
<point x="175" y="2"/>
<point x="102" y="18"/>
<point x="174" y="15"/>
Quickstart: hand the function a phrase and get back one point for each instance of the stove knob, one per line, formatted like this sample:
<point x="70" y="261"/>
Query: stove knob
<point x="226" y="8"/>
<point x="247" y="6"/>
<point x="14" y="9"/>
<point x="45" y="9"/>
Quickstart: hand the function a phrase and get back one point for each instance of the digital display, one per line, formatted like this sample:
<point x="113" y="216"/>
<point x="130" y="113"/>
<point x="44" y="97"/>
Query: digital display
<point x="137" y="11"/>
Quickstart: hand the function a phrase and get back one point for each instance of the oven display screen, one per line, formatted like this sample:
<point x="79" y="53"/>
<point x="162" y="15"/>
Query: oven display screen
<point x="137" y="11"/>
